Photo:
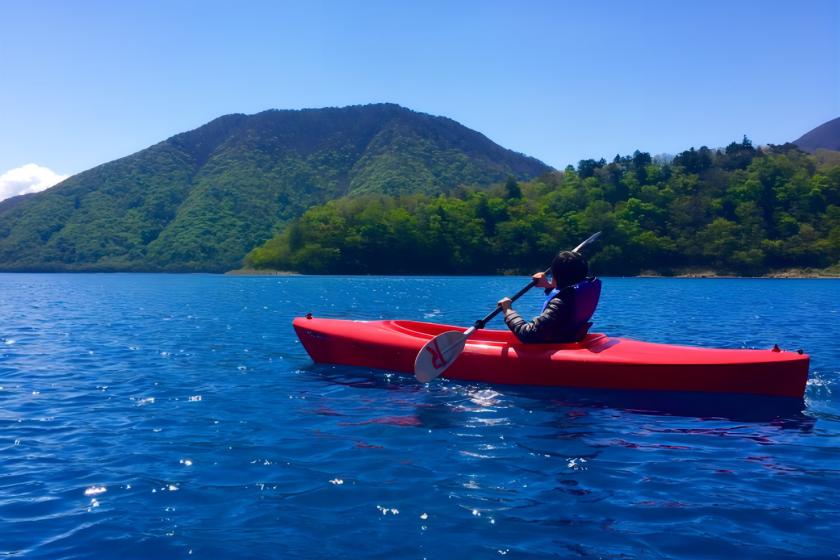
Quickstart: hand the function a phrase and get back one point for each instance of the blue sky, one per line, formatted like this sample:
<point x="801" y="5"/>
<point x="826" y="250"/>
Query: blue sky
<point x="86" y="82"/>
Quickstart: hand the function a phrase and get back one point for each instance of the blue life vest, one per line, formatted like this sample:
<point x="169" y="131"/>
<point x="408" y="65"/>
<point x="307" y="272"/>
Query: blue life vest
<point x="584" y="301"/>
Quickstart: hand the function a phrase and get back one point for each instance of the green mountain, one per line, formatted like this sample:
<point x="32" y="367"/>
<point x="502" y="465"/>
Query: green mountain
<point x="201" y="200"/>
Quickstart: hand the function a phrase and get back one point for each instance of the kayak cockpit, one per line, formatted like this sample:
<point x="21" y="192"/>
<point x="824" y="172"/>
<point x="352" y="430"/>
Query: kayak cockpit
<point x="427" y="331"/>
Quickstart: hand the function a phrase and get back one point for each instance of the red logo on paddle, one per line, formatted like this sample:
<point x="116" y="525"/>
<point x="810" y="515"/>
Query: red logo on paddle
<point x="438" y="361"/>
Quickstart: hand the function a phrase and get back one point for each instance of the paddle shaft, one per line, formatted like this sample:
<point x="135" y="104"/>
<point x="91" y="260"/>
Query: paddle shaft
<point x="481" y="322"/>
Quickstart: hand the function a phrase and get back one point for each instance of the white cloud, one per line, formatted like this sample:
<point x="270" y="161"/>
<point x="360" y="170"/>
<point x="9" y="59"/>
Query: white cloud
<point x="26" y="179"/>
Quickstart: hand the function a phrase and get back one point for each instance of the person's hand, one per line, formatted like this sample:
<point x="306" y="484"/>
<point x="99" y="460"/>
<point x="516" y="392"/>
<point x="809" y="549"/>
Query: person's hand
<point x="540" y="281"/>
<point x="505" y="304"/>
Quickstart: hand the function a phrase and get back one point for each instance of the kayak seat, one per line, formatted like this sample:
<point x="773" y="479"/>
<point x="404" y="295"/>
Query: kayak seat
<point x="582" y="331"/>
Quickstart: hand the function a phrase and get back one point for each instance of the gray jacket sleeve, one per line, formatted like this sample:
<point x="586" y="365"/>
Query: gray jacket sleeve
<point x="553" y="319"/>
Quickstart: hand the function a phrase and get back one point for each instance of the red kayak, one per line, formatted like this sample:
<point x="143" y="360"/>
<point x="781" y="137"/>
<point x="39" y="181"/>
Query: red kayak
<point x="596" y="362"/>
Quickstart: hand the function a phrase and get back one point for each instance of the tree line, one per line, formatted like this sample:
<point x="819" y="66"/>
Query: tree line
<point x="740" y="210"/>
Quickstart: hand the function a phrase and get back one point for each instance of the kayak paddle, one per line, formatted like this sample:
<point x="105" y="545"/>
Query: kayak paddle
<point x="439" y="353"/>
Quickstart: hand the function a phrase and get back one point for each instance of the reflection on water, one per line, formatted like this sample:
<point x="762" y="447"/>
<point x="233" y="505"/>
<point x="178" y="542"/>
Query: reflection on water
<point x="781" y="411"/>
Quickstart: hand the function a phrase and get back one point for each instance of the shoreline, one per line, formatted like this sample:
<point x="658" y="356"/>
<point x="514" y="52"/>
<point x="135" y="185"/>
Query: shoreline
<point x="792" y="273"/>
<point x="260" y="272"/>
<point x="789" y="274"/>
<point x="831" y="273"/>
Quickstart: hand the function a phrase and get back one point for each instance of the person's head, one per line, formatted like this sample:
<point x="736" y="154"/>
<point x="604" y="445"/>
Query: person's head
<point x="568" y="268"/>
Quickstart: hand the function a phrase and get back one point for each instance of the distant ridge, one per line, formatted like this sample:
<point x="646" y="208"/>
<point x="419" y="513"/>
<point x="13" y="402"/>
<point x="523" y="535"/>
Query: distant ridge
<point x="201" y="200"/>
<point x="824" y="137"/>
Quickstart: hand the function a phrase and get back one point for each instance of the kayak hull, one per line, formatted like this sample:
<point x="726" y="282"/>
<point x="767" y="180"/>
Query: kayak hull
<point x="597" y="362"/>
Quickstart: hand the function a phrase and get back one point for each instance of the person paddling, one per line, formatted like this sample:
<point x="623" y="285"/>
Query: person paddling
<point x="571" y="299"/>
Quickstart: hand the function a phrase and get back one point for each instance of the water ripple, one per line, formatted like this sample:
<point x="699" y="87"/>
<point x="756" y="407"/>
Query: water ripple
<point x="178" y="415"/>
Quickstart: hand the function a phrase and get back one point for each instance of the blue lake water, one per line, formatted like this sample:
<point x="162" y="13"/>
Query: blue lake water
<point x="177" y="416"/>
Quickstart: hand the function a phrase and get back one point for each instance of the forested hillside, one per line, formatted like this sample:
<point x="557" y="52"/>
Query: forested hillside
<point x="738" y="210"/>
<point x="201" y="200"/>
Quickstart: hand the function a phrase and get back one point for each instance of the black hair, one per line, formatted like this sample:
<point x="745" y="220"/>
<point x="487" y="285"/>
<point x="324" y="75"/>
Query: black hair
<point x="568" y="268"/>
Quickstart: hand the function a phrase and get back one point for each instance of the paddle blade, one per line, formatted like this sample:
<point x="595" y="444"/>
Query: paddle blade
<point x="438" y="354"/>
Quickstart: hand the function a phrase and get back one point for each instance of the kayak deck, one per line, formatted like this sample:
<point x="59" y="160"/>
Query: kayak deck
<point x="598" y="361"/>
